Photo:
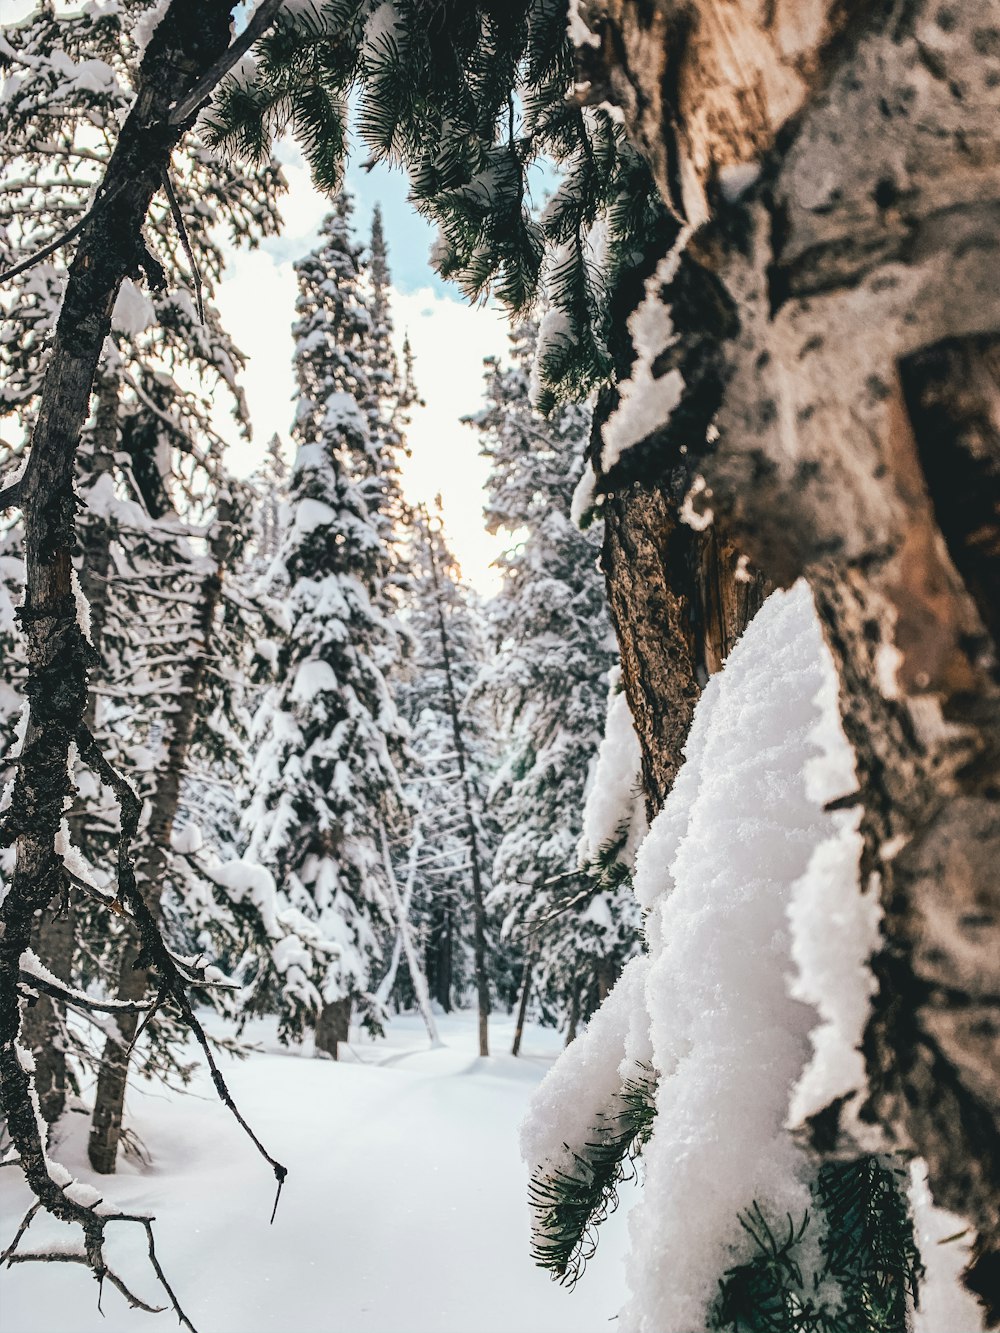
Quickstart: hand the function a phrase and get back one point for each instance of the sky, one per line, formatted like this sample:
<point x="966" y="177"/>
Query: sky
<point x="449" y="338"/>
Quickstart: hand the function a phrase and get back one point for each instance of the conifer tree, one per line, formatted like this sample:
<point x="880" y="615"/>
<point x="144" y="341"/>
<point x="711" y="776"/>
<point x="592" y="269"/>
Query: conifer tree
<point x="469" y="99"/>
<point x="327" y="735"/>
<point x="270" y="481"/>
<point x="149" y="465"/>
<point x="547" y="685"/>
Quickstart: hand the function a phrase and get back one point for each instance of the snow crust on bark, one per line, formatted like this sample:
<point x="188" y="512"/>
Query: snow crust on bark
<point x="945" y="1243"/>
<point x="753" y="996"/>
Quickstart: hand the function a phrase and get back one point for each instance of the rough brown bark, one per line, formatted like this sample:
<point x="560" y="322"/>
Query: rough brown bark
<point x="152" y="862"/>
<point x="857" y="444"/>
<point x="679" y="601"/>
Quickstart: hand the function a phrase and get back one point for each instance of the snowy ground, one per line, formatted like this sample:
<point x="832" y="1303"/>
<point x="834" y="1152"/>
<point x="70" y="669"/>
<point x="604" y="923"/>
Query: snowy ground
<point x="404" y="1209"/>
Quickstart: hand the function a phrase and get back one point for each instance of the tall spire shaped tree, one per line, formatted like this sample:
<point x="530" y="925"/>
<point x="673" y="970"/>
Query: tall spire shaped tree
<point x="328" y="735"/>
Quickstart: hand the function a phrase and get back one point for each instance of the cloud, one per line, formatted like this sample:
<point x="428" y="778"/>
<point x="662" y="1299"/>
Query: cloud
<point x="449" y="340"/>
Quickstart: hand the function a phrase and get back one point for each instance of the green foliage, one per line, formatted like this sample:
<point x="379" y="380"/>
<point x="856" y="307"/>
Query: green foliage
<point x="870" y="1271"/>
<point x="472" y="99"/>
<point x="569" y="1204"/>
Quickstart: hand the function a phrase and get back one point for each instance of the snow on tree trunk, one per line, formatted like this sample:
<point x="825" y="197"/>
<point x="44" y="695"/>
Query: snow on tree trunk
<point x="837" y="417"/>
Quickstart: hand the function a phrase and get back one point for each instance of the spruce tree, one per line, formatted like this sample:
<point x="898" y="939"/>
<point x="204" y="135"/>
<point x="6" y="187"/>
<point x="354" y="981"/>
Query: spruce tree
<point x="546" y="686"/>
<point x="327" y="735"/>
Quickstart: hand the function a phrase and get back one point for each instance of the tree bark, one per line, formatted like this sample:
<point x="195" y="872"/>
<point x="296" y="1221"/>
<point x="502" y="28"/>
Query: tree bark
<point x="839" y="165"/>
<point x="43" y="1030"/>
<point x="152" y="862"/>
<point x="522" y="1007"/>
<point x="333" y="1027"/>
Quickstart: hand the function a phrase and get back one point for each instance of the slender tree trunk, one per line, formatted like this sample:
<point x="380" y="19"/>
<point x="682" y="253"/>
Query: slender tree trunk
<point x="522" y="1007"/>
<point x="191" y="38"/>
<point x="152" y="861"/>
<point x="44" y="1032"/>
<point x="478" y="897"/>
<point x="574" y="1011"/>
<point x="401" y="908"/>
<point x="444" y="961"/>
<point x="333" y="1027"/>
<point x="841" y="421"/>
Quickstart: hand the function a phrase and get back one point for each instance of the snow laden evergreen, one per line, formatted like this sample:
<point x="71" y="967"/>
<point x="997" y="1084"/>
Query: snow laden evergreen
<point x="742" y="1020"/>
<point x="152" y="487"/>
<point x="469" y="98"/>
<point x="547" y="686"/>
<point x="449" y="848"/>
<point x="327" y="738"/>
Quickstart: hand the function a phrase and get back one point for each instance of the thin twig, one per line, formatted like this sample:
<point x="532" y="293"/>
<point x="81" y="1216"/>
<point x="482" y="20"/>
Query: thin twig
<point x="62" y="239"/>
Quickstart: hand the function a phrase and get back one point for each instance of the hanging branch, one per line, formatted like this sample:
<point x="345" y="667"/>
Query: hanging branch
<point x="154" y="952"/>
<point x="178" y="217"/>
<point x="570" y="1203"/>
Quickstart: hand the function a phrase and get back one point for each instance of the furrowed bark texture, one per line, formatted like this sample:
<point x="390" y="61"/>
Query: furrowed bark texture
<point x="152" y="862"/>
<point x="858" y="444"/>
<point x="43" y="1030"/>
<point x="187" y="42"/>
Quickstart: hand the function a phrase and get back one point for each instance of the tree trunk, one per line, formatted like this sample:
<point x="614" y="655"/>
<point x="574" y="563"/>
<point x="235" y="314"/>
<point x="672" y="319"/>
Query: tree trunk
<point x="839" y="168"/>
<point x="400" y="904"/>
<point x="43" y="1030"/>
<point x="333" y="1026"/>
<point x="522" y="1007"/>
<point x="190" y="39"/>
<point x="152" y="862"/>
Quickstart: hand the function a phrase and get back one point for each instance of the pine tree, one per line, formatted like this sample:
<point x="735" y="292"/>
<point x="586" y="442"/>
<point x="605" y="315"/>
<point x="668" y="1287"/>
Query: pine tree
<point x="327" y="736"/>
<point x="269" y="481"/>
<point x="547" y="686"/>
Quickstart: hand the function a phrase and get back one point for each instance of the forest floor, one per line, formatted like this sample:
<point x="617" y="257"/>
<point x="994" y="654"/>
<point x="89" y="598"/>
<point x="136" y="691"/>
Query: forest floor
<point x="404" y="1210"/>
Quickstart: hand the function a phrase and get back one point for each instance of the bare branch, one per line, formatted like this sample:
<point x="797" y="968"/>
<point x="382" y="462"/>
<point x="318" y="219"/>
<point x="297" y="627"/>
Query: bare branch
<point x="80" y="1000"/>
<point x="178" y="217"/>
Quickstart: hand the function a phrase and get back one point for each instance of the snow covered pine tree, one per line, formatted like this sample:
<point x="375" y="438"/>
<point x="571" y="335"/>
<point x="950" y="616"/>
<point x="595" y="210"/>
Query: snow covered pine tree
<point x="546" y="684"/>
<point x="327" y="735"/>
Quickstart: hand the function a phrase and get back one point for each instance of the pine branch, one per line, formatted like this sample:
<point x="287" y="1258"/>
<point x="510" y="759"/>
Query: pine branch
<point x="569" y="1204"/>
